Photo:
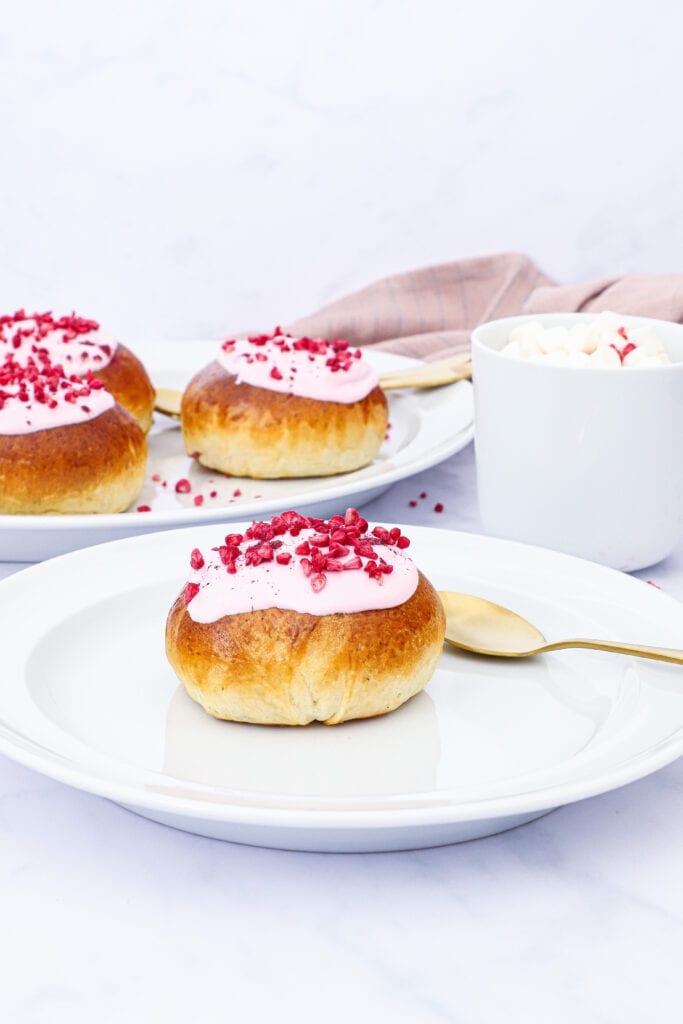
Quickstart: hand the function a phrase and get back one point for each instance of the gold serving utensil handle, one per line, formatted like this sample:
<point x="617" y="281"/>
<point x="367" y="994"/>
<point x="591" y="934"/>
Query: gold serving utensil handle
<point x="168" y="401"/>
<point x="429" y="375"/>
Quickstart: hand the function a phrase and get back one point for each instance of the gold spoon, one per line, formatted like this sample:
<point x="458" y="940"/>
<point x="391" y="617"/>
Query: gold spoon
<point x="428" y="375"/>
<point x="483" y="627"/>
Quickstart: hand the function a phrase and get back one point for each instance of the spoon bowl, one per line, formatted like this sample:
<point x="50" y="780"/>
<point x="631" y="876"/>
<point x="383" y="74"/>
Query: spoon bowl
<point x="483" y="627"/>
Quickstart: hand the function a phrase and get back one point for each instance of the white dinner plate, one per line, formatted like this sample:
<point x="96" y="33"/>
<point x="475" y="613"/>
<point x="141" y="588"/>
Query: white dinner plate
<point x="425" y="428"/>
<point x="86" y="696"/>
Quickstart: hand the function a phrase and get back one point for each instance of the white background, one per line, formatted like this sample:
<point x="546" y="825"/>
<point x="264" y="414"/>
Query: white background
<point x="189" y="169"/>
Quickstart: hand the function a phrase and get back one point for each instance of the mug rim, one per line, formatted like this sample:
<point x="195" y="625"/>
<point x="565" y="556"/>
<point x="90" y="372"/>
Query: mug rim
<point x="480" y="345"/>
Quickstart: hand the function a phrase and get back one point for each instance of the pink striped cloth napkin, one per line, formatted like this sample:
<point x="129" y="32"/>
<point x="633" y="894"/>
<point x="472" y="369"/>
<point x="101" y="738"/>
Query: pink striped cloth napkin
<point x="429" y="313"/>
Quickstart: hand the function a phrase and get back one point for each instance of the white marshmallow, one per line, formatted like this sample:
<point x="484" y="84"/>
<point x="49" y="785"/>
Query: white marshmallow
<point x="528" y="348"/>
<point x="579" y="340"/>
<point x="646" y="340"/>
<point x="578" y="359"/>
<point x="525" y="331"/>
<point x="605" y="357"/>
<point x="557" y="358"/>
<point x="597" y="344"/>
<point x="639" y="357"/>
<point x="555" y="339"/>
<point x="513" y="350"/>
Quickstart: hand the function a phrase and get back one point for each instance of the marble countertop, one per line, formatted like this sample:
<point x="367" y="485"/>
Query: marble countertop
<point x="109" y="917"/>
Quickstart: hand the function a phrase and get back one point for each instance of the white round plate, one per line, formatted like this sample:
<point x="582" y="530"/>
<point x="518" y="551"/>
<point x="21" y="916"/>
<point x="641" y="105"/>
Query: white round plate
<point x="426" y="427"/>
<point x="86" y="696"/>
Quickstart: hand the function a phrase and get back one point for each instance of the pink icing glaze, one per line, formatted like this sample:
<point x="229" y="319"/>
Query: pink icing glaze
<point x="40" y="397"/>
<point x="214" y="591"/>
<point x="74" y="342"/>
<point x="328" y="371"/>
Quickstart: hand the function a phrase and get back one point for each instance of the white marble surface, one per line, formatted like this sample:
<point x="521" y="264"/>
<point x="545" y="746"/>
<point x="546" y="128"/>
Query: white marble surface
<point x="576" y="917"/>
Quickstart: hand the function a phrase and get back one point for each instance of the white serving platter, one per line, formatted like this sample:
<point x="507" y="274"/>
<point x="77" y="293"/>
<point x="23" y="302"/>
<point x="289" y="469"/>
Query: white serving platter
<point x="426" y="427"/>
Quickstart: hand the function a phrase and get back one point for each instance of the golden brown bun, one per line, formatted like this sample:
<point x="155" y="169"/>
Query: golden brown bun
<point x="250" y="431"/>
<point x="95" y="466"/>
<point x="126" y="378"/>
<point x="279" y="667"/>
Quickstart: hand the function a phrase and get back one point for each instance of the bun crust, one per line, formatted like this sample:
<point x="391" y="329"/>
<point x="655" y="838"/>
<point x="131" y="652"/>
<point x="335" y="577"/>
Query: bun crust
<point x="278" y="667"/>
<point x="94" y="466"/>
<point x="126" y="378"/>
<point x="255" y="432"/>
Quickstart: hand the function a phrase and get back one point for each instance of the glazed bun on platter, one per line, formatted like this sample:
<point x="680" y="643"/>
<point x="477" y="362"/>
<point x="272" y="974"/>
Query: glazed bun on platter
<point x="300" y="620"/>
<point x="66" y="446"/>
<point x="80" y="346"/>
<point x="274" y="406"/>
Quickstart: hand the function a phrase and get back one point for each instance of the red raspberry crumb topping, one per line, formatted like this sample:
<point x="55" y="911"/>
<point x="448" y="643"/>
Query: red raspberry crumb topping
<point x="624" y="351"/>
<point x="339" y="544"/>
<point x="47" y="335"/>
<point x="36" y="325"/>
<point x="336" y="355"/>
<point x="43" y="382"/>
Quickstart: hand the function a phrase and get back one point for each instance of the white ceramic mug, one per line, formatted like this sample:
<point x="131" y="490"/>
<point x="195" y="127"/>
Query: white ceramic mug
<point x="583" y="460"/>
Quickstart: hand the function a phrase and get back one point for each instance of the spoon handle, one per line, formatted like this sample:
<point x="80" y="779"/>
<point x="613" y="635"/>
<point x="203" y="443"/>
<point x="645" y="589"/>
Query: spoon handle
<point x="429" y="375"/>
<point x="640" y="651"/>
<point x="167" y="400"/>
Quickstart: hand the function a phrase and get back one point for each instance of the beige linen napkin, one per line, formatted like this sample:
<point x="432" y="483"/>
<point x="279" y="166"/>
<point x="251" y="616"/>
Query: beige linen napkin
<point x="429" y="313"/>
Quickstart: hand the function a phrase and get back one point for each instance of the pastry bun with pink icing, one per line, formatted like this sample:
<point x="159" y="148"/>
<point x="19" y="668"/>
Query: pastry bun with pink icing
<point x="274" y="406"/>
<point x="66" y="446"/>
<point x="80" y="346"/>
<point x="301" y="620"/>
